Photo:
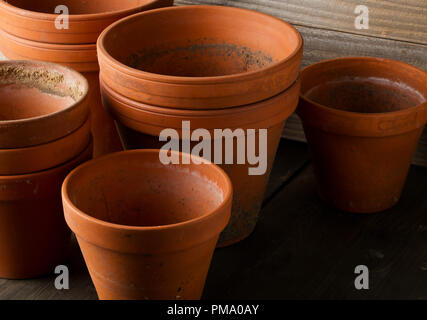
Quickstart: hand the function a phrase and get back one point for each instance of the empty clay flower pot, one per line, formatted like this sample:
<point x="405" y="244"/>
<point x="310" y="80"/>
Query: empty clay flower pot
<point x="147" y="230"/>
<point x="362" y="118"/>
<point x="39" y="103"/>
<point x="140" y="126"/>
<point x="34" y="237"/>
<point x="38" y="20"/>
<point x="200" y="57"/>
<point x="44" y="156"/>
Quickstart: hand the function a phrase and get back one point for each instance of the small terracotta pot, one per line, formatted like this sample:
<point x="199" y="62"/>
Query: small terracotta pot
<point x="147" y="231"/>
<point x="140" y="126"/>
<point x="39" y="103"/>
<point x="34" y="237"/>
<point x="35" y="20"/>
<point x="44" y="156"/>
<point x="362" y="118"/>
<point x="200" y="57"/>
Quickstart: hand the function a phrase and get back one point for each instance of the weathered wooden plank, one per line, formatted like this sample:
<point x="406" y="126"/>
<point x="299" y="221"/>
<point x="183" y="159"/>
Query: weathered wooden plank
<point x="302" y="249"/>
<point x="324" y="44"/>
<point x="391" y="19"/>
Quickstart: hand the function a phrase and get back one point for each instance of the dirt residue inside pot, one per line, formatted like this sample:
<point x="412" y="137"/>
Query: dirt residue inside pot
<point x="365" y="95"/>
<point x="27" y="92"/>
<point x="199" y="60"/>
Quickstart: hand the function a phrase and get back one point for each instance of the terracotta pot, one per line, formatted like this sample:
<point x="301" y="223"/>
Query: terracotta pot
<point x="34" y="238"/>
<point x="200" y="57"/>
<point x="140" y="126"/>
<point x="35" y="20"/>
<point x="149" y="231"/>
<point x="362" y="118"/>
<point x="81" y="58"/>
<point x="44" y="156"/>
<point x="39" y="102"/>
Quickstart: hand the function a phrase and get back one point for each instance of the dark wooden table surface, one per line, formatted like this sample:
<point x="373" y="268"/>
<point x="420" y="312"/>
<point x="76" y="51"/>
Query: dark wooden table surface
<point x="301" y="249"/>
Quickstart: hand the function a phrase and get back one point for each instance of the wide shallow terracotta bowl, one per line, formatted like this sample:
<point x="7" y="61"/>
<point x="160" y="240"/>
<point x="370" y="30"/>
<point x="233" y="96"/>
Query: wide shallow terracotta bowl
<point x="363" y="118"/>
<point x="200" y="57"/>
<point x="147" y="230"/>
<point x="34" y="237"/>
<point x="35" y="20"/>
<point x="39" y="102"/>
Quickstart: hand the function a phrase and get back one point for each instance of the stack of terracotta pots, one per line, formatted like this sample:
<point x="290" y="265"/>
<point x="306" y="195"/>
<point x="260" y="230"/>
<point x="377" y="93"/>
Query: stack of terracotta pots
<point x="216" y="67"/>
<point x="33" y="30"/>
<point x="45" y="133"/>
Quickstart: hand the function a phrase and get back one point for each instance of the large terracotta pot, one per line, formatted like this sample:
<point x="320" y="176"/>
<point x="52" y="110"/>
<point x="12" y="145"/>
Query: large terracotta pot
<point x="140" y="126"/>
<point x="28" y="31"/>
<point x="39" y="103"/>
<point x="362" y="118"/>
<point x="217" y="67"/>
<point x="35" y="20"/>
<point x="147" y="230"/>
<point x="34" y="238"/>
<point x="200" y="57"/>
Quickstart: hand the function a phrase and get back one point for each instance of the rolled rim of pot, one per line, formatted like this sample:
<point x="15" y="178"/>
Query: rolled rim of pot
<point x="135" y="238"/>
<point x="399" y="90"/>
<point x="260" y="115"/>
<point x="32" y="19"/>
<point x="258" y="56"/>
<point x="56" y="118"/>
<point x="29" y="186"/>
<point x="19" y="161"/>
<point x="80" y="57"/>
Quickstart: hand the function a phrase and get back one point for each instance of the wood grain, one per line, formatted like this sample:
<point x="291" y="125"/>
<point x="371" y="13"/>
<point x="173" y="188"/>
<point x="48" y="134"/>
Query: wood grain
<point x="302" y="249"/>
<point x="389" y="19"/>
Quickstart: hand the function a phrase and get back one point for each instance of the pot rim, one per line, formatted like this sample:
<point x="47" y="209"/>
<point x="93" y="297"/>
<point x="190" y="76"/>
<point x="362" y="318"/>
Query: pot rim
<point x="352" y="114"/>
<point x="50" y="66"/>
<point x="200" y="80"/>
<point x="48" y="45"/>
<point x="32" y="154"/>
<point x="37" y="174"/>
<point x="220" y="112"/>
<point x="73" y="17"/>
<point x="118" y="227"/>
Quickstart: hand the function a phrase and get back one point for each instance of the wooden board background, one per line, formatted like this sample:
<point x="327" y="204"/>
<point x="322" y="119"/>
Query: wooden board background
<point x="397" y="30"/>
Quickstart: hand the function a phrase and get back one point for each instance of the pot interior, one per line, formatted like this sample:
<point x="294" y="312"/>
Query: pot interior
<point x="30" y="90"/>
<point x="367" y="87"/>
<point x="201" y="42"/>
<point x="78" y="6"/>
<point x="136" y="189"/>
